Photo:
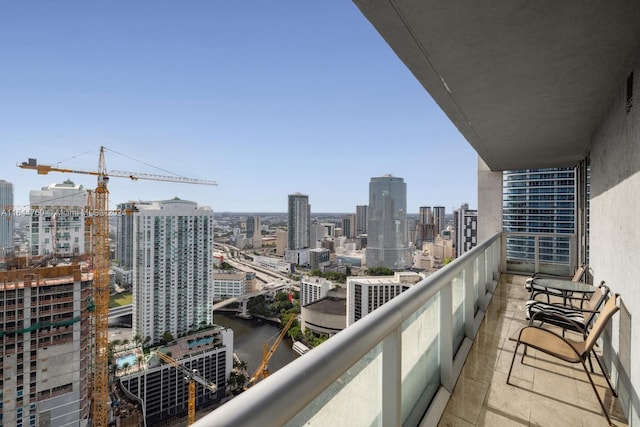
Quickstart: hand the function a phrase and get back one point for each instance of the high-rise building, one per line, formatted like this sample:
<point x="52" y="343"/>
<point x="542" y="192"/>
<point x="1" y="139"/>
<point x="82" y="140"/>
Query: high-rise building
<point x="313" y="288"/>
<point x="172" y="268"/>
<point x="539" y="201"/>
<point x="361" y="219"/>
<point x="45" y="347"/>
<point x="366" y="293"/>
<point x="299" y="221"/>
<point x="466" y="227"/>
<point x="57" y="225"/>
<point x="253" y="231"/>
<point x="438" y="213"/>
<point x="349" y="226"/>
<point x="6" y="218"/>
<point x="124" y="235"/>
<point x="388" y="237"/>
<point x="425" y="228"/>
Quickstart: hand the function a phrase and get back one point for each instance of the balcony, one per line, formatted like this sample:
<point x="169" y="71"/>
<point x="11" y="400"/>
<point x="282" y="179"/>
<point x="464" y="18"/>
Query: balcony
<point x="438" y="353"/>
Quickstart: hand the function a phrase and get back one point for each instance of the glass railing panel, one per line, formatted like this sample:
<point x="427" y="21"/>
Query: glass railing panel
<point x="458" y="310"/>
<point x="420" y="356"/>
<point x="521" y="254"/>
<point x="354" y="399"/>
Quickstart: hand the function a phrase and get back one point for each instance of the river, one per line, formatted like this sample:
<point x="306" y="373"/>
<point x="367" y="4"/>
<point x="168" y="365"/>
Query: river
<point x="249" y="337"/>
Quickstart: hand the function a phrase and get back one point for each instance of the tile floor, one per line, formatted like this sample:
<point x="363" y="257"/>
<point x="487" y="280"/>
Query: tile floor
<point x="548" y="392"/>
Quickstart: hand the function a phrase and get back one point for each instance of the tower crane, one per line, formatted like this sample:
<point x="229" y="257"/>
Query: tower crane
<point x="263" y="368"/>
<point x="191" y="376"/>
<point x="98" y="219"/>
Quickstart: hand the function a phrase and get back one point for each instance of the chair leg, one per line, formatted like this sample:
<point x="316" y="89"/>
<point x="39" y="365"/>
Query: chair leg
<point x="604" y="372"/>
<point x="513" y="359"/>
<point x="595" y="390"/>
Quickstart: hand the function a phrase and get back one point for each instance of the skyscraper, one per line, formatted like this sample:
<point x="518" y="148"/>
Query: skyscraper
<point x="299" y="221"/>
<point x="349" y="226"/>
<point x="539" y="201"/>
<point x="6" y="218"/>
<point x="426" y="227"/>
<point x="124" y="235"/>
<point x="361" y="219"/>
<point x="438" y="213"/>
<point x="388" y="237"/>
<point x="172" y="268"/>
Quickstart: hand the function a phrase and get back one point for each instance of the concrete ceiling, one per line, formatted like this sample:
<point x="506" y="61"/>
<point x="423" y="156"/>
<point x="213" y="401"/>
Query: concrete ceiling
<point x="525" y="82"/>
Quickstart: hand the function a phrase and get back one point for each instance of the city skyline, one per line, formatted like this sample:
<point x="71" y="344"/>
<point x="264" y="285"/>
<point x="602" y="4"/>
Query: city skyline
<point x="267" y="100"/>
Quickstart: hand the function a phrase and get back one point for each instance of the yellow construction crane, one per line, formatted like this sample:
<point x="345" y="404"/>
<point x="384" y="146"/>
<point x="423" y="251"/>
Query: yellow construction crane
<point x="98" y="219"/>
<point x="190" y="377"/>
<point x="263" y="369"/>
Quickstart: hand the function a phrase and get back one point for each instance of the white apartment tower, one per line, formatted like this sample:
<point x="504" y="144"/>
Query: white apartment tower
<point x="172" y="268"/>
<point x="57" y="223"/>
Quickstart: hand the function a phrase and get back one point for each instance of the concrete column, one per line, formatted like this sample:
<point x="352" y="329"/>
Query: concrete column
<point x="489" y="201"/>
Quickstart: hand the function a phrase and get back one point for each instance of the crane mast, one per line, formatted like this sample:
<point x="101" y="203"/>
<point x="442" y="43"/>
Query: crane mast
<point x="190" y="376"/>
<point x="97" y="228"/>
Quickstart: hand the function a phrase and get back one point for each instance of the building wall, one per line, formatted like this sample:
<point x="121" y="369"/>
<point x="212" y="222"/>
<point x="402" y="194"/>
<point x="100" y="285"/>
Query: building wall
<point x="124" y="227"/>
<point x="615" y="233"/>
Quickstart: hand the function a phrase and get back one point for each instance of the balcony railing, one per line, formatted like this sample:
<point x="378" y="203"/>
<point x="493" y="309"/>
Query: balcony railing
<point x="395" y="366"/>
<point x="551" y="253"/>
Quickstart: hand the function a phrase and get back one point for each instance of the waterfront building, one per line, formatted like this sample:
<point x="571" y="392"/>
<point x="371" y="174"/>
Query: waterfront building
<point x="366" y="293"/>
<point x="466" y="227"/>
<point x="540" y="201"/>
<point x="7" y="219"/>
<point x="388" y="243"/>
<point x="162" y="388"/>
<point x="299" y="221"/>
<point x="45" y="346"/>
<point x="57" y="222"/>
<point x="313" y="288"/>
<point x="172" y="268"/>
<point x="229" y="285"/>
<point x="326" y="315"/>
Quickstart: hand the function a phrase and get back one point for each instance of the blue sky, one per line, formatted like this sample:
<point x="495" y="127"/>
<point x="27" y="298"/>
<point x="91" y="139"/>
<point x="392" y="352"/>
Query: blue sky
<point x="266" y="98"/>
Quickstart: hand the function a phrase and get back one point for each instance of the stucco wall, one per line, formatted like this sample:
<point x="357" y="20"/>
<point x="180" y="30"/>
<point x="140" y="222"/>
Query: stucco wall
<point x="615" y="234"/>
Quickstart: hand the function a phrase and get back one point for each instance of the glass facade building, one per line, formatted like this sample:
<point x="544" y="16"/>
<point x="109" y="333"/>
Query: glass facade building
<point x="540" y="201"/>
<point x="387" y="233"/>
<point x="299" y="221"/>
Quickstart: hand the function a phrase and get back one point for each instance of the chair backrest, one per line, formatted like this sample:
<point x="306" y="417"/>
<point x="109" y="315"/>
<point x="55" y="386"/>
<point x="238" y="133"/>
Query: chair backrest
<point x="579" y="273"/>
<point x="610" y="308"/>
<point x="598" y="297"/>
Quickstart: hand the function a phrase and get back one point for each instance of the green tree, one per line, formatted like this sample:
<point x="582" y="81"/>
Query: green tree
<point x="379" y="271"/>
<point x="167" y="337"/>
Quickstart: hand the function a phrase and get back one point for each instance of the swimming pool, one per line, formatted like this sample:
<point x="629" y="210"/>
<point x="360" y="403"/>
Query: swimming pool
<point x="201" y="341"/>
<point x="130" y="359"/>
